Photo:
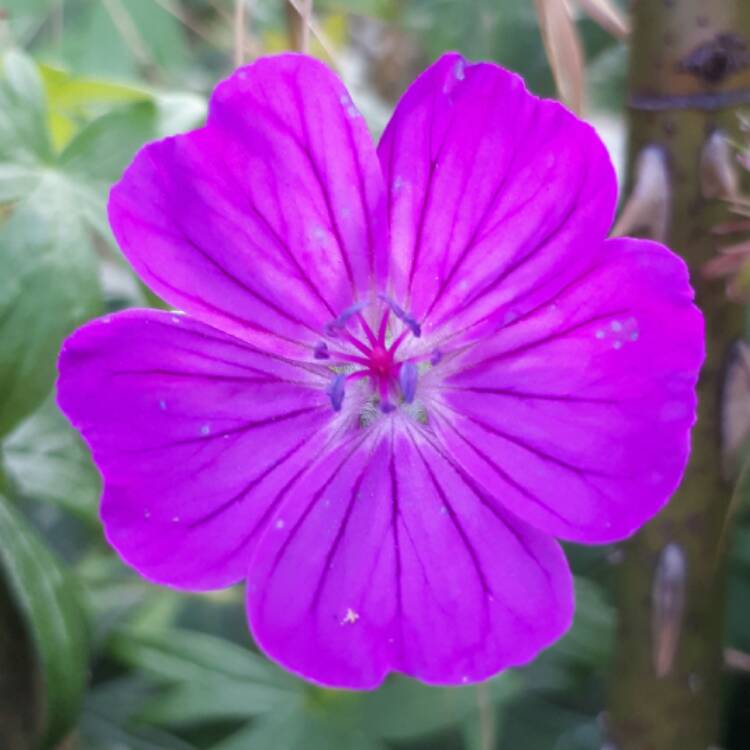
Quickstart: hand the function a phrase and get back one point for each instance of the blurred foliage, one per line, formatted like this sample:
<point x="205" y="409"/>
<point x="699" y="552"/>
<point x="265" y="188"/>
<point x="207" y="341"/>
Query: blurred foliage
<point x="83" y="84"/>
<point x="55" y="654"/>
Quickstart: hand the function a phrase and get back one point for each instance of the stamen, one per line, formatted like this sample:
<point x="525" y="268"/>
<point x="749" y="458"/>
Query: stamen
<point x="335" y="391"/>
<point x="407" y="380"/>
<point x="402" y="315"/>
<point x="344" y="357"/>
<point x="436" y="356"/>
<point x="338" y="324"/>
<point x="385" y="405"/>
<point x="366" y="328"/>
<point x="383" y="327"/>
<point x="355" y="342"/>
<point x="395" y="345"/>
<point x="321" y="350"/>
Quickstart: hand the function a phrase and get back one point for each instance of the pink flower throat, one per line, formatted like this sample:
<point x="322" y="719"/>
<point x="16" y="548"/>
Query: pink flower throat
<point x="373" y="358"/>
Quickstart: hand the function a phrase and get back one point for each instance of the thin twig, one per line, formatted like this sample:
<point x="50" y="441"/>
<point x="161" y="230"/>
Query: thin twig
<point x="305" y="12"/>
<point x="317" y="31"/>
<point x="486" y="718"/>
<point x="174" y="10"/>
<point x="130" y="33"/>
<point x="239" y="32"/>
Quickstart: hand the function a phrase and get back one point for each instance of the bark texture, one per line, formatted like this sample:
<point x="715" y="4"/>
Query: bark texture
<point x="689" y="77"/>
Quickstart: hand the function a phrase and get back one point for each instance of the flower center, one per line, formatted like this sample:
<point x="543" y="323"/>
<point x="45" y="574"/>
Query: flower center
<point x="356" y="351"/>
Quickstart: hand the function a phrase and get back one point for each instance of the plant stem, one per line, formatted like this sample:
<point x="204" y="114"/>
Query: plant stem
<point x="689" y="75"/>
<point x="239" y="32"/>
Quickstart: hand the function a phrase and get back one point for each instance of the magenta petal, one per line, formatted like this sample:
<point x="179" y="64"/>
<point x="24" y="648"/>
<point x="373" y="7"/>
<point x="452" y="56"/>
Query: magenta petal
<point x="495" y="197"/>
<point x="577" y="415"/>
<point x="195" y="434"/>
<point x="269" y="218"/>
<point x="386" y="558"/>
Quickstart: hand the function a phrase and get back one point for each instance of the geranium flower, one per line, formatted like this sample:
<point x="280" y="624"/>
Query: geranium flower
<point x="400" y="376"/>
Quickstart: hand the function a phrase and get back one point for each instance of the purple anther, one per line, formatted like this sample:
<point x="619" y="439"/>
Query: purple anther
<point x="407" y="380"/>
<point x="332" y="328"/>
<point x="386" y="407"/>
<point x="436" y="357"/>
<point x="321" y="350"/>
<point x="402" y="315"/>
<point x="338" y="324"/>
<point x="335" y="391"/>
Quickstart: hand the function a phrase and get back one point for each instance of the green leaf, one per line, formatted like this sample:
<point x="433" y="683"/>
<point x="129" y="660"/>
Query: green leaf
<point x="49" y="285"/>
<point x="23" y="111"/>
<point x="73" y="100"/>
<point x="48" y="604"/>
<point x="175" y="655"/>
<point x="103" y="148"/>
<point x="404" y="709"/>
<point x="46" y="460"/>
<point x="108" y="721"/>
<point x="205" y="678"/>
<point x="293" y="728"/>
<point x="20" y="699"/>
<point x="122" y="36"/>
<point x="16" y="180"/>
<point x="82" y="96"/>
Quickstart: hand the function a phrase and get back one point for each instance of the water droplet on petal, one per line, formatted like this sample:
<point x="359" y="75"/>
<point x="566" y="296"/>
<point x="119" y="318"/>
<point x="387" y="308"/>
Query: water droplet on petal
<point x="163" y="405"/>
<point x="279" y="524"/>
<point x="175" y="519"/>
<point x="206" y="429"/>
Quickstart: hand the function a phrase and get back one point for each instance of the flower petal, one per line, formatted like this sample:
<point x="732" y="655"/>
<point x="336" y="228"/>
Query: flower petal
<point x="391" y="559"/>
<point x="495" y="197"/>
<point x="270" y="217"/>
<point x="577" y="415"/>
<point x="194" y="432"/>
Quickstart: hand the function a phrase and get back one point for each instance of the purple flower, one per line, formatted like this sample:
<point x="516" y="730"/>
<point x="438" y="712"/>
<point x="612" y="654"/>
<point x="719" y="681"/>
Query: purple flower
<point x="401" y="375"/>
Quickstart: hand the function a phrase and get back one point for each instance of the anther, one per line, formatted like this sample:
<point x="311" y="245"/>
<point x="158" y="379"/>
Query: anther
<point x="407" y="380"/>
<point x="335" y="391"/>
<point x="402" y="315"/>
<point x="321" y="350"/>
<point x="338" y="324"/>
<point x="436" y="356"/>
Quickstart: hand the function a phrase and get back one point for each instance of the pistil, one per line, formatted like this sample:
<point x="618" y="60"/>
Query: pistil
<point x="375" y="357"/>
